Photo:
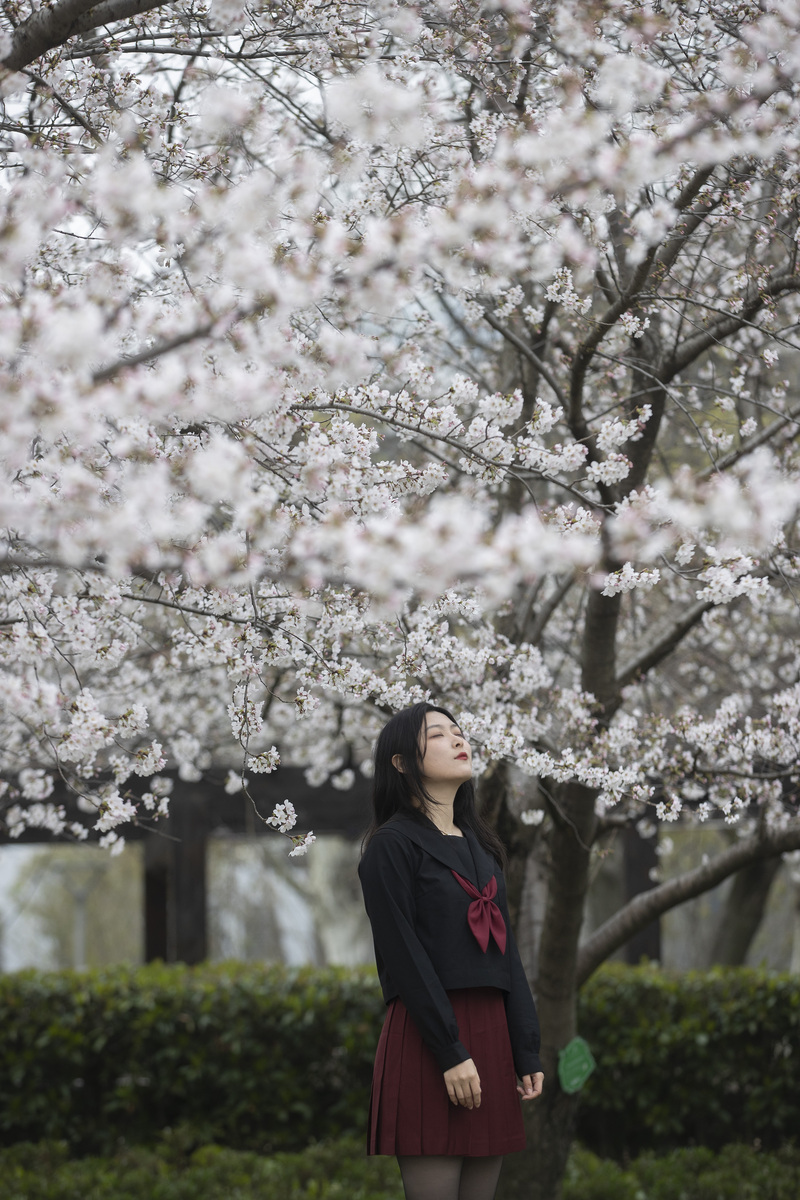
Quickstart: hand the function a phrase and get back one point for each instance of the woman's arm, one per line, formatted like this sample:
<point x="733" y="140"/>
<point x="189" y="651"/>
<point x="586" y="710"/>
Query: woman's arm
<point x="387" y="872"/>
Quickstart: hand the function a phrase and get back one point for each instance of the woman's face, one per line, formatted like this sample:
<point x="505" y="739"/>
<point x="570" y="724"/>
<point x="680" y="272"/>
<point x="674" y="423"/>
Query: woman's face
<point x="446" y="756"/>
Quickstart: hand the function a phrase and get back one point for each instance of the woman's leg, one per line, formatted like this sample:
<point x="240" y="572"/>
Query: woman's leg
<point x="479" y="1178"/>
<point x="447" y="1177"/>
<point x="430" y="1176"/>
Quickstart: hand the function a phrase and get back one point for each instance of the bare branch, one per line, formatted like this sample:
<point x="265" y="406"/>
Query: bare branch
<point x="664" y="644"/>
<point x="549" y="606"/>
<point x="730" y="323"/>
<point x="758" y="439"/>
<point x="647" y="906"/>
<point x="595" y="336"/>
<point x="665" y="259"/>
<point x="526" y="352"/>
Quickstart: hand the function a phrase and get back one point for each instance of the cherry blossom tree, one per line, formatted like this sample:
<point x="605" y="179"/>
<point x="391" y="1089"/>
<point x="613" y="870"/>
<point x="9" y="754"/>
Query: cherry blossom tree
<point x="356" y="356"/>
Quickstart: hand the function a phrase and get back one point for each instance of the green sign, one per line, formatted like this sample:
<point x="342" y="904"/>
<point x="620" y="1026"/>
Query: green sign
<point x="575" y="1065"/>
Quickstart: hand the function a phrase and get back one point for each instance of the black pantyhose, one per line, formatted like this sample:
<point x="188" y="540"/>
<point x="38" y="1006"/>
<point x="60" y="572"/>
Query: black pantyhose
<point x="479" y="1178"/>
<point x="446" y="1177"/>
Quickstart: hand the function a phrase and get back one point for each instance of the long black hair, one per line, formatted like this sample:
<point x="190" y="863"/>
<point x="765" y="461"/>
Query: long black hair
<point x="404" y="792"/>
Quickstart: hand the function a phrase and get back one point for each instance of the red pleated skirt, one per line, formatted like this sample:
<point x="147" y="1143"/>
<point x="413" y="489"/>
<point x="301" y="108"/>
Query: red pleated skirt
<point x="410" y="1111"/>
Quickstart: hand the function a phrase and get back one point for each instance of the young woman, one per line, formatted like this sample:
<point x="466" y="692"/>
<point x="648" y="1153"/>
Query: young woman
<point x="461" y="1024"/>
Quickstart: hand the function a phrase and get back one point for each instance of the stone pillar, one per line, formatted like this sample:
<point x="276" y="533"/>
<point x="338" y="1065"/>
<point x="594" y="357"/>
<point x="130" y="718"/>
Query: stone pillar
<point x="176" y="926"/>
<point x="640" y="859"/>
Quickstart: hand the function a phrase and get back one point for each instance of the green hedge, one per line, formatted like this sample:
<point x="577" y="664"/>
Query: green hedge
<point x="339" y="1171"/>
<point x="329" y="1171"/>
<point x="734" y="1173"/>
<point x="701" y="1058"/>
<point x="257" y="1058"/>
<point x="269" y="1059"/>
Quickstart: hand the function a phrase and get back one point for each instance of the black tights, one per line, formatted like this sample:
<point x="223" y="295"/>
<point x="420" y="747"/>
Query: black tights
<point x="446" y="1177"/>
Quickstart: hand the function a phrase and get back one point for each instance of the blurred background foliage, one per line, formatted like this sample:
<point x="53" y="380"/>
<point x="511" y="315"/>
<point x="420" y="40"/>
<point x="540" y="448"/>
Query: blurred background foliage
<point x="265" y="907"/>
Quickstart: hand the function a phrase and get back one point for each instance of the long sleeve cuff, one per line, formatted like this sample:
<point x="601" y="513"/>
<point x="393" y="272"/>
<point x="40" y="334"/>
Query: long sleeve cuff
<point x="452" y="1055"/>
<point x="527" y="1064"/>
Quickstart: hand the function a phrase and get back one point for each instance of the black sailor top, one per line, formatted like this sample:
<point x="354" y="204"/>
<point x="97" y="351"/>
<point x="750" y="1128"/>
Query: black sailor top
<point x="439" y="915"/>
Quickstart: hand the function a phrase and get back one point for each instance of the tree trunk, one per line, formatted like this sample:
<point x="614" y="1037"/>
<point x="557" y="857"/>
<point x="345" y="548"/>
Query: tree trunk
<point x="517" y="838"/>
<point x="743" y="912"/>
<point x="537" y="1173"/>
<point x="530" y="921"/>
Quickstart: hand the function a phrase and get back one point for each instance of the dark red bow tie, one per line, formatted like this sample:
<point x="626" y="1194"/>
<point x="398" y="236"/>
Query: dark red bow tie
<point x="483" y="914"/>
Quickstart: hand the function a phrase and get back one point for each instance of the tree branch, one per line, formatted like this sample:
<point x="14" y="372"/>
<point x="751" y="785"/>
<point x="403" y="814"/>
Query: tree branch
<point x="671" y="248"/>
<point x="548" y="607"/>
<point x="647" y="906"/>
<point x="68" y="108"/>
<point x="526" y="352"/>
<point x="694" y="346"/>
<point x="664" y="644"/>
<point x="599" y="330"/>
<point x="220" y="324"/>
<point x="758" y="439"/>
<point x="108" y="12"/>
<point x="49" y="27"/>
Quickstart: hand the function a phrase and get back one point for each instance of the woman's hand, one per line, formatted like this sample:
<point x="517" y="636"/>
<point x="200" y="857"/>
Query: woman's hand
<point x="531" y="1086"/>
<point x="463" y="1084"/>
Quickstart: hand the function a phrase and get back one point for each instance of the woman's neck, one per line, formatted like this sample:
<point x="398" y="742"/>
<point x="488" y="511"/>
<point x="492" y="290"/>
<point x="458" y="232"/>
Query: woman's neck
<point x="440" y="814"/>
